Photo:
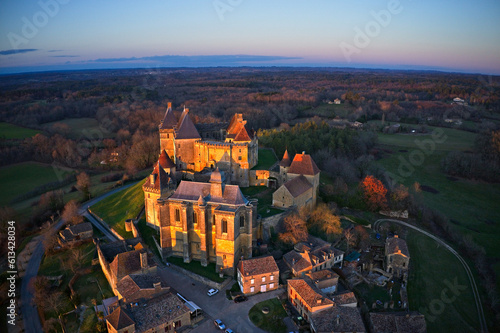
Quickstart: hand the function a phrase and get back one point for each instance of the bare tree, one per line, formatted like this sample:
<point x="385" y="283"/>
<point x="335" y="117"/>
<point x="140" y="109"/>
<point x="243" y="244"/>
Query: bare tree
<point x="350" y="237"/>
<point x="83" y="184"/>
<point x="70" y="213"/>
<point x="295" y="229"/>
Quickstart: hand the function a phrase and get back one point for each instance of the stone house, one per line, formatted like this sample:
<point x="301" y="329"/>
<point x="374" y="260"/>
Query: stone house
<point x="80" y="231"/>
<point x="325" y="280"/>
<point x="397" y="257"/>
<point x="337" y="319"/>
<point x="136" y="287"/>
<point x="258" y="275"/>
<point x="397" y="322"/>
<point x="306" y="299"/>
<point x="304" y="259"/>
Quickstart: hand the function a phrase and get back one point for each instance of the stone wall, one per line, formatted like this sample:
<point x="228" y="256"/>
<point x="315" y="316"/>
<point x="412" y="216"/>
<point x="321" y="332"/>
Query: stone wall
<point x="202" y="279"/>
<point x="271" y="221"/>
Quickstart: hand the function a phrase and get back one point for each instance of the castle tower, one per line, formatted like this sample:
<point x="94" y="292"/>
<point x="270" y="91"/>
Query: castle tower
<point x="284" y="166"/>
<point x="186" y="135"/>
<point x="167" y="132"/>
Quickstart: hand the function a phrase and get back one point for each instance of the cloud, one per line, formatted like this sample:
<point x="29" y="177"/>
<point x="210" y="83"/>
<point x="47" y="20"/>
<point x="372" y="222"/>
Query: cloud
<point x="54" y="50"/>
<point x="65" y="56"/>
<point x="14" y="51"/>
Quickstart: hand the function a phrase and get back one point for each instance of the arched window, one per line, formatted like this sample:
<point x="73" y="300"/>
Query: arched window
<point x="177" y="214"/>
<point x="224" y="226"/>
<point x="242" y="221"/>
<point x="195" y="218"/>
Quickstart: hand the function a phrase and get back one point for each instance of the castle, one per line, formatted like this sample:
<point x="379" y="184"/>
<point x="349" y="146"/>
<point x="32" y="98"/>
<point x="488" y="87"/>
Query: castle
<point x="205" y="216"/>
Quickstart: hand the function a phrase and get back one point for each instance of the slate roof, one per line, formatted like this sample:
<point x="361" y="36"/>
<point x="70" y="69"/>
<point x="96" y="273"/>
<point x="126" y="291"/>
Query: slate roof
<point x="344" y="298"/>
<point x="297" y="186"/>
<point x="111" y="250"/>
<point x="285" y="162"/>
<point x="338" y="319"/>
<point x="119" y="319"/>
<point x="165" y="160"/>
<point x="158" y="310"/>
<point x="298" y="261"/>
<point x="161" y="180"/>
<point x="308" y="293"/>
<point x="169" y="121"/>
<point x="186" y="128"/>
<point x="191" y="191"/>
<point x="80" y="228"/>
<point x="303" y="164"/>
<point x="257" y="266"/>
<point x="396" y="244"/>
<point x="134" y="283"/>
<point x="398" y="322"/>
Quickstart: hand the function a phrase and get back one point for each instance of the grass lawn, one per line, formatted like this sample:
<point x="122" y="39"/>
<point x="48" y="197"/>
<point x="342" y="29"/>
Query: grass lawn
<point x="24" y="177"/>
<point x="147" y="234"/>
<point x="10" y="131"/>
<point x="197" y="268"/>
<point x="271" y="322"/>
<point x="265" y="197"/>
<point x="371" y="294"/>
<point x="266" y="159"/>
<point x="431" y="268"/>
<point x="120" y="206"/>
<point x="87" y="128"/>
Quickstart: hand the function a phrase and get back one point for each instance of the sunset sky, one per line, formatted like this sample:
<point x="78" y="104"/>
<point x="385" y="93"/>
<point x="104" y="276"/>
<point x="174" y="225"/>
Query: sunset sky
<point x="459" y="35"/>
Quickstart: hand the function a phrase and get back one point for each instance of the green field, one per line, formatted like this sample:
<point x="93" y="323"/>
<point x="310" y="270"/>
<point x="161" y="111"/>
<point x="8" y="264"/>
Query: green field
<point x="87" y="128"/>
<point x="272" y="321"/>
<point x="266" y="159"/>
<point x="432" y="268"/>
<point x="122" y="205"/>
<point x="10" y="131"/>
<point x="24" y="177"/>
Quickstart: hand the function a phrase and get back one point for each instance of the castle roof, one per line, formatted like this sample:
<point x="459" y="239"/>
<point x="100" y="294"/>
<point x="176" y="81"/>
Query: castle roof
<point x="303" y="164"/>
<point x="169" y="121"/>
<point x="285" y="162"/>
<point x="216" y="176"/>
<point x="190" y="191"/>
<point x="297" y="186"/>
<point x="161" y="179"/>
<point x="257" y="266"/>
<point x="119" y="319"/>
<point x="396" y="245"/>
<point x="237" y="129"/>
<point x="186" y="128"/>
<point x="165" y="161"/>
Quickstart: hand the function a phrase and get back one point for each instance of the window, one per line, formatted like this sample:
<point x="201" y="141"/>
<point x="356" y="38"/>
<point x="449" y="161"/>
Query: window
<point x="252" y="289"/>
<point x="167" y="328"/>
<point x="272" y="278"/>
<point x="195" y="218"/>
<point x="178" y="324"/>
<point x="239" y="158"/>
<point x="177" y="215"/>
<point x="271" y="285"/>
<point x="263" y="279"/>
<point x="252" y="281"/>
<point x="242" y="221"/>
<point x="263" y="288"/>
<point x="224" y="226"/>
<point x="213" y="219"/>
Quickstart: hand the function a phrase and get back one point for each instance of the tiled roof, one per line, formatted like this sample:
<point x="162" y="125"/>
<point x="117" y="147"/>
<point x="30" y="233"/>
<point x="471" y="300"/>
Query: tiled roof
<point x="165" y="161"/>
<point x="191" y="191"/>
<point x="111" y="250"/>
<point x="169" y="121"/>
<point x="398" y="322"/>
<point x="161" y="179"/>
<point x="396" y="244"/>
<point x="308" y="294"/>
<point x="297" y="186"/>
<point x="338" y="319"/>
<point x="80" y="227"/>
<point x="298" y="261"/>
<point x="128" y="263"/>
<point x="119" y="319"/>
<point x="303" y="164"/>
<point x="257" y="266"/>
<point x="346" y="297"/>
<point x="323" y="274"/>
<point x="158" y="310"/>
<point x="186" y="128"/>
<point x="133" y="283"/>
<point x="285" y="162"/>
<point x="237" y="129"/>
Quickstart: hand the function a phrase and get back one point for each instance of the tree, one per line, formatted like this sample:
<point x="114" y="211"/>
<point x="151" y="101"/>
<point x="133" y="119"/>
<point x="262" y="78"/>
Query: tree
<point x="400" y="198"/>
<point x="374" y="192"/>
<point x="324" y="218"/>
<point x="295" y="229"/>
<point x="350" y="237"/>
<point x="362" y="237"/>
<point x="70" y="213"/>
<point x="83" y="184"/>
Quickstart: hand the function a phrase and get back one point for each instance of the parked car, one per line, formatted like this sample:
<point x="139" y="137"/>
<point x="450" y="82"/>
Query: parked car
<point x="228" y="330"/>
<point x="212" y="292"/>
<point x="239" y="299"/>
<point x="219" y="324"/>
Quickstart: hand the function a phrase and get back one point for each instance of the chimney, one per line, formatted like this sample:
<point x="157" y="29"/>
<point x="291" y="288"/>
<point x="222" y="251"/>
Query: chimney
<point x="169" y="105"/>
<point x="157" y="286"/>
<point x="318" y="301"/>
<point x="152" y="178"/>
<point x="303" y="152"/>
<point x="144" y="260"/>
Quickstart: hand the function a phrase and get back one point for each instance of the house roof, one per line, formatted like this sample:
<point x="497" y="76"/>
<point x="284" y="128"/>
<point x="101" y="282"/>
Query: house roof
<point x="161" y="179"/>
<point x="169" y="121"/>
<point x="338" y="319"/>
<point x="186" y="128"/>
<point x="257" y="266"/>
<point x="80" y="227"/>
<point x="323" y="274"/>
<point x="128" y="263"/>
<point x="308" y="293"/>
<point x="297" y="186"/>
<point x="158" y="310"/>
<point x="303" y="164"/>
<point x="396" y="245"/>
<point x="237" y="129"/>
<point x="111" y="250"/>
<point x="398" y="322"/>
<point x="191" y="191"/>
<point x="285" y="162"/>
<point x="134" y="283"/>
<point x="298" y="261"/>
<point x="165" y="161"/>
<point x="344" y="298"/>
<point x="119" y="319"/>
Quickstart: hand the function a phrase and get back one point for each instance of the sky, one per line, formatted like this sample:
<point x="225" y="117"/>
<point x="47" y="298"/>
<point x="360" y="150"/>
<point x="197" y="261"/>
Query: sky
<point x="456" y="36"/>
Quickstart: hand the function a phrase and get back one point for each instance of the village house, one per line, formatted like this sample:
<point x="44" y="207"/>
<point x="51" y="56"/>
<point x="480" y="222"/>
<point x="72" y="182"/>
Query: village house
<point x="336" y="101"/>
<point x="337" y="319"/>
<point x="258" y="275"/>
<point x="397" y="257"/>
<point x="80" y="231"/>
<point x="397" y="322"/>
<point x="306" y="299"/>
<point x="325" y="280"/>
<point x="302" y="259"/>
<point x="136" y="287"/>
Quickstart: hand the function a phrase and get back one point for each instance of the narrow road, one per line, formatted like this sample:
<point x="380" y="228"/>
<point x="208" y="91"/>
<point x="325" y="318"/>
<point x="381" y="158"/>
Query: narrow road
<point x="477" y="298"/>
<point x="29" y="312"/>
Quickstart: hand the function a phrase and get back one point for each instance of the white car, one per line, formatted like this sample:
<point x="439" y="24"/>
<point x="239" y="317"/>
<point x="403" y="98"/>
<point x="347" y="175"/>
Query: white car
<point x="212" y="292"/>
